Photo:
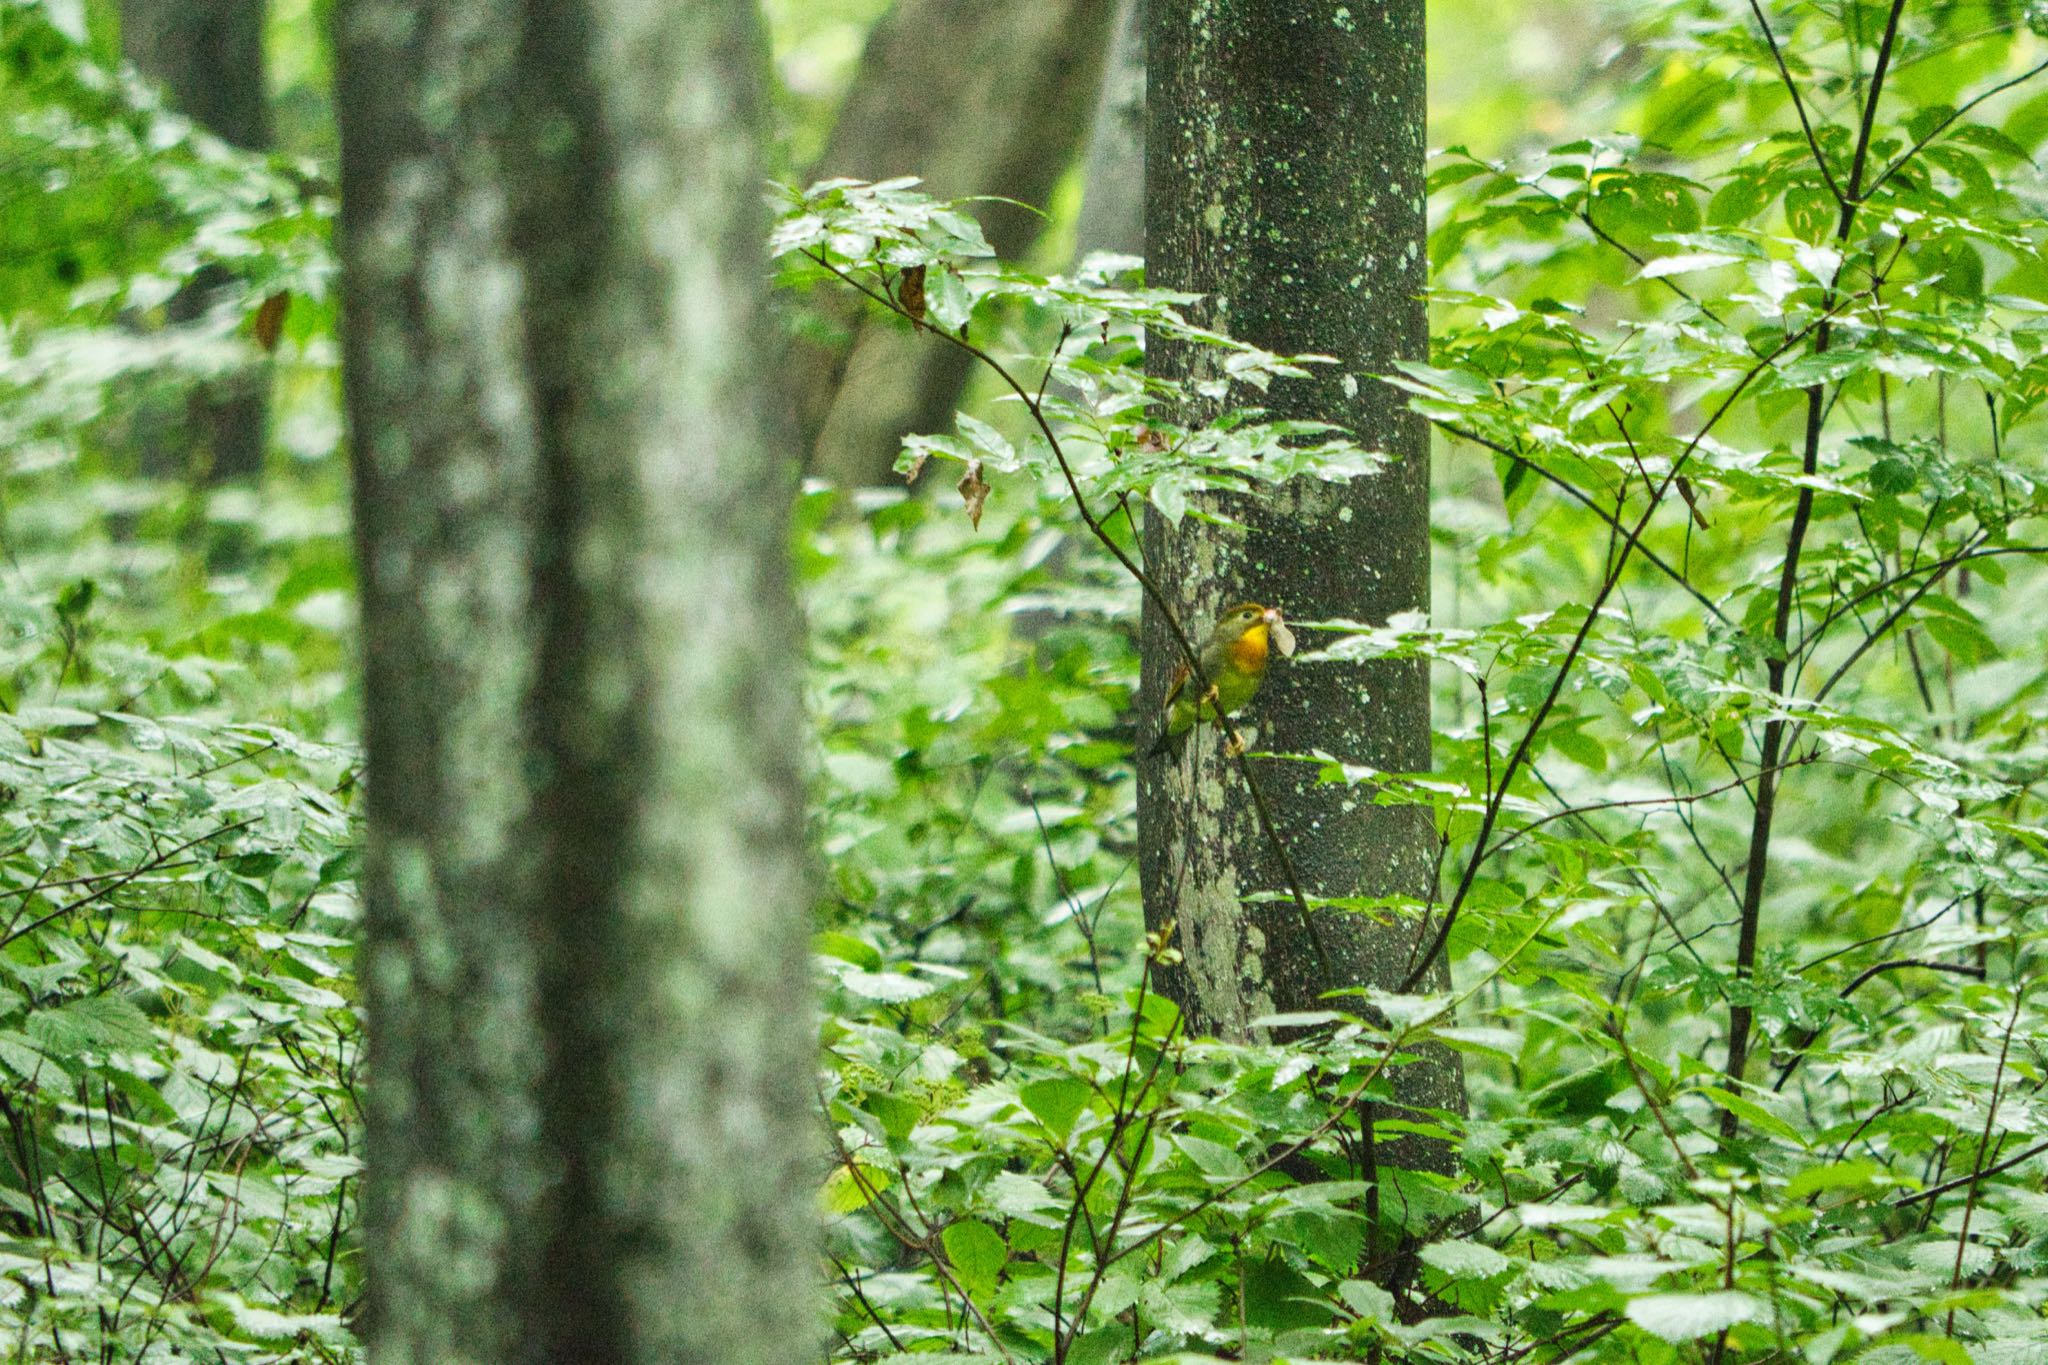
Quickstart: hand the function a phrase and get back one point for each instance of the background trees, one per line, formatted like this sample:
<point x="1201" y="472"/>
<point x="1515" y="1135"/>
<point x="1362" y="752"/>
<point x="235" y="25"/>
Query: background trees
<point x="207" y="56"/>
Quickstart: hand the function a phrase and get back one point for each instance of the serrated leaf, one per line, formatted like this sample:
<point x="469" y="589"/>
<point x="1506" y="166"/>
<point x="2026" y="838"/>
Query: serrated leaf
<point x="1465" y="1260"/>
<point x="1688" y="1317"/>
<point x="99" y="1022"/>
<point x="977" y="1255"/>
<point x="889" y="987"/>
<point x="1056" y="1102"/>
<point x="1015" y="1195"/>
<point x="1685" y="263"/>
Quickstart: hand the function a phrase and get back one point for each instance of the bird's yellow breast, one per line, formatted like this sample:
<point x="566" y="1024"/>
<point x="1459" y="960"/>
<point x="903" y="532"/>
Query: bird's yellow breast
<point x="1248" y="651"/>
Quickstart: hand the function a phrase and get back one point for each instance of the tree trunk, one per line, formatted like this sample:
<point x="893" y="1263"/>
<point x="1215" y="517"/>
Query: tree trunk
<point x="1113" y="168"/>
<point x="986" y="98"/>
<point x="1286" y="151"/>
<point x="208" y="56"/>
<point x="585" y="970"/>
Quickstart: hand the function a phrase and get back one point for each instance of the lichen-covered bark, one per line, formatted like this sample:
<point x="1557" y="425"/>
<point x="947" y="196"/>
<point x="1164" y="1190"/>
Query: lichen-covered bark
<point x="1285" y="155"/>
<point x="584" y="965"/>
<point x="988" y="97"/>
<point x="208" y="57"/>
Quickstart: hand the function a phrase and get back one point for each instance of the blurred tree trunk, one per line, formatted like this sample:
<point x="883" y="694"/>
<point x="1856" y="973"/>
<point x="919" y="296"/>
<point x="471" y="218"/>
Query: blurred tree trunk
<point x="986" y="98"/>
<point x="585" y="968"/>
<point x="208" y="57"/>
<point x="1113" y="168"/>
<point x="1286" y="150"/>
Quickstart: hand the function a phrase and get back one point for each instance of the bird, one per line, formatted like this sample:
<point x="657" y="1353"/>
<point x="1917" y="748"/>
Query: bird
<point x="1234" y="660"/>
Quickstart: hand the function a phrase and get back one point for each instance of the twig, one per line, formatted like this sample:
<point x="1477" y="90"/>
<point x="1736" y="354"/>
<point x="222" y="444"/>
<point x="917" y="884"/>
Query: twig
<point x="1936" y="1191"/>
<point x="1798" y="104"/>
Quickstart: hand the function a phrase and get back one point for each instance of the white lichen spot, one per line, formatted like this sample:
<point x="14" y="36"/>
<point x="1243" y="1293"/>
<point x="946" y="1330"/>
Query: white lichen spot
<point x="1212" y="217"/>
<point x="1343" y="20"/>
<point x="1344" y="514"/>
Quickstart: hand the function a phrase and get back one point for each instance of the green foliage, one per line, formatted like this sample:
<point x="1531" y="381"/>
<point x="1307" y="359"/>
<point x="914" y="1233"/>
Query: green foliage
<point x="1674" y="612"/>
<point x="1738" y="518"/>
<point x="179" y="1044"/>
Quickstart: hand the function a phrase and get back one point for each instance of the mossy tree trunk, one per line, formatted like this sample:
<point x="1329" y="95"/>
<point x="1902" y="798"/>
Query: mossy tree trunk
<point x="1285" y="156"/>
<point x="208" y="57"/>
<point x="590" y="1109"/>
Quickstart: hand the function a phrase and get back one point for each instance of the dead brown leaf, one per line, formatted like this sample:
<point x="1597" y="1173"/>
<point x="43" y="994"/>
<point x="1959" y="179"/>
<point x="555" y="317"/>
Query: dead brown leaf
<point x="974" y="492"/>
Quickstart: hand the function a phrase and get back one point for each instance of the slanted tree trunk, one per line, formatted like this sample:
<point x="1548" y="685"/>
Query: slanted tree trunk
<point x="990" y="97"/>
<point x="208" y="57"/>
<point x="1286" y="156"/>
<point x="589" y="1123"/>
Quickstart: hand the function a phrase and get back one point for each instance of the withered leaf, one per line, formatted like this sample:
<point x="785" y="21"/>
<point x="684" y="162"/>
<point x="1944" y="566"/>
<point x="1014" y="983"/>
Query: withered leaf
<point x="268" y="323"/>
<point x="1691" y="501"/>
<point x="910" y="292"/>
<point x="974" y="492"/>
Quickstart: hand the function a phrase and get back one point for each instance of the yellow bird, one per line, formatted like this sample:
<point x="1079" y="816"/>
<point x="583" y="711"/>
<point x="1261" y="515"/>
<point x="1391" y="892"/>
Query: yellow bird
<point x="1234" y="660"/>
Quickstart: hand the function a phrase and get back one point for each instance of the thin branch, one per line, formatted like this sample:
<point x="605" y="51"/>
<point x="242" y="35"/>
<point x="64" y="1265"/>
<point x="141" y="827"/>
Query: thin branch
<point x="1613" y="580"/>
<point x="145" y="869"/>
<point x="1655" y="560"/>
<point x="1666" y="802"/>
<point x="1936" y="1191"/>
<point x="1899" y="163"/>
<point x="1955" y="1279"/>
<point x="1803" y="1048"/>
<point x="1939" y="567"/>
<point x="1868" y="973"/>
<point x="1884" y="59"/>
<point x="1798" y="104"/>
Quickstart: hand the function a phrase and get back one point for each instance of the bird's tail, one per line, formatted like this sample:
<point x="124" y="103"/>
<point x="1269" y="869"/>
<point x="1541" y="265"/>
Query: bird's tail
<point x="1170" y="742"/>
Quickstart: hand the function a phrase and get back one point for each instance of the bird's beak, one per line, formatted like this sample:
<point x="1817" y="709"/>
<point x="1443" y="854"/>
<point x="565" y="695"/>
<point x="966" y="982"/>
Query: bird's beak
<point x="1276" y="625"/>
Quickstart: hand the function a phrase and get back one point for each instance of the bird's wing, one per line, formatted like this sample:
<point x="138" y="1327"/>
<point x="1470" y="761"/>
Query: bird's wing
<point x="1174" y="685"/>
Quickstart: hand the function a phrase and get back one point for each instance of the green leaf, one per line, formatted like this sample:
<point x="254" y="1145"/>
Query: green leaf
<point x="1372" y="1303"/>
<point x="892" y="987"/>
<point x="977" y="1255"/>
<point x="844" y="1192"/>
<point x="1015" y="1195"/>
<point x="1685" y="263"/>
<point x="1835" y="1175"/>
<point x="1466" y="1260"/>
<point x="1756" y="1115"/>
<point x="1056" y="1103"/>
<point x="846" y="948"/>
<point x="1280" y="1297"/>
<point x="1688" y="1317"/>
<point x="98" y="1022"/>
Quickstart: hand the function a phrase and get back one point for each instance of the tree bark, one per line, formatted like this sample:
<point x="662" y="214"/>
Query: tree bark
<point x="985" y="98"/>
<point x="208" y="56"/>
<point x="1285" y="146"/>
<point x="585" y="968"/>
<point x="1113" y="167"/>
